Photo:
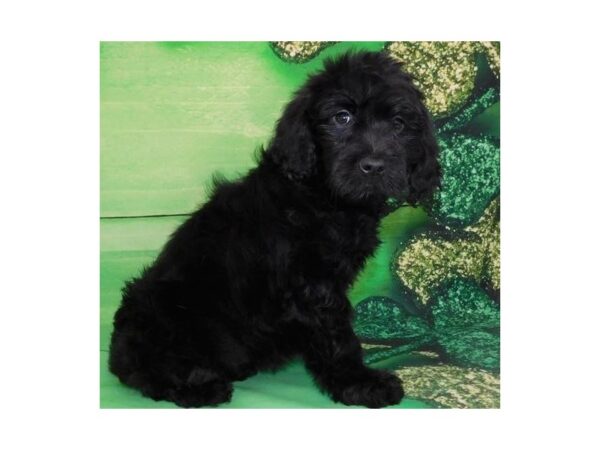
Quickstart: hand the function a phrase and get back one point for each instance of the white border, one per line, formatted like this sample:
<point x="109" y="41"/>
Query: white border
<point x="49" y="175"/>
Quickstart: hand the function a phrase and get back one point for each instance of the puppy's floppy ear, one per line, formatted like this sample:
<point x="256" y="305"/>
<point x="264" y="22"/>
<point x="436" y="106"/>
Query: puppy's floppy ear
<point x="293" y="148"/>
<point x="424" y="167"/>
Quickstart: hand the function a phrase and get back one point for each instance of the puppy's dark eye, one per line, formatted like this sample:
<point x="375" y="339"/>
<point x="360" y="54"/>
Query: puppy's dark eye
<point x="399" y="123"/>
<point x="342" y="117"/>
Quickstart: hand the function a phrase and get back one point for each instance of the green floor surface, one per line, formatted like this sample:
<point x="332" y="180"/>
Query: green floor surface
<point x="290" y="387"/>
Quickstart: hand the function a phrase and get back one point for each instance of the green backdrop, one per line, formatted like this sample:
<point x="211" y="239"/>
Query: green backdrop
<point x="174" y="113"/>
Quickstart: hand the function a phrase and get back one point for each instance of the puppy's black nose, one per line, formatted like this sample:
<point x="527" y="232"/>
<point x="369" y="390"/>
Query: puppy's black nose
<point x="371" y="165"/>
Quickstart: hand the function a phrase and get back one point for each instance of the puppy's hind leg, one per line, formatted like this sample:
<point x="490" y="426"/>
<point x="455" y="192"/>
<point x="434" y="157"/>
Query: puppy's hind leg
<point x="164" y="376"/>
<point x="201" y="387"/>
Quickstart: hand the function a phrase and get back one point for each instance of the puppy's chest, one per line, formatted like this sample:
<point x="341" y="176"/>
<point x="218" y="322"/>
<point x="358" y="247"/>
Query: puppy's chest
<point x="347" y="239"/>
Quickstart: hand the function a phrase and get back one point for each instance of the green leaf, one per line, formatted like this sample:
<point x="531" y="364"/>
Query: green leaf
<point x="463" y="304"/>
<point x="472" y="348"/>
<point x="382" y="318"/>
<point x="470" y="179"/>
<point x="449" y="386"/>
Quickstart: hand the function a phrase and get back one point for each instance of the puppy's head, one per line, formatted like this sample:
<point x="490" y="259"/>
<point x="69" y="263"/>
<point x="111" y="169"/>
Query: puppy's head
<point x="361" y="126"/>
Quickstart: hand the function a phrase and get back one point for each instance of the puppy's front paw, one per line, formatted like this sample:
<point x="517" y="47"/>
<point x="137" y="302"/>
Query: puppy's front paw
<point x="376" y="390"/>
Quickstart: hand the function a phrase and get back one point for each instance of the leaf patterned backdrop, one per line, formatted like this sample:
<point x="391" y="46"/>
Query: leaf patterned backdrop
<point x="427" y="304"/>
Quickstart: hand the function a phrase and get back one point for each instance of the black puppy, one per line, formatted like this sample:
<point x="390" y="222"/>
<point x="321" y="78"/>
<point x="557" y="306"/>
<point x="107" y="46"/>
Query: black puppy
<point x="259" y="274"/>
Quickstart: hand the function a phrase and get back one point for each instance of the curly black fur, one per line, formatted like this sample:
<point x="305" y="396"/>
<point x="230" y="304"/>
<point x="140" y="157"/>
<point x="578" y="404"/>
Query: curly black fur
<point x="259" y="274"/>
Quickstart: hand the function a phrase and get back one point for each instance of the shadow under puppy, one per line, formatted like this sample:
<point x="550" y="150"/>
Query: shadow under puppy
<point x="259" y="274"/>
